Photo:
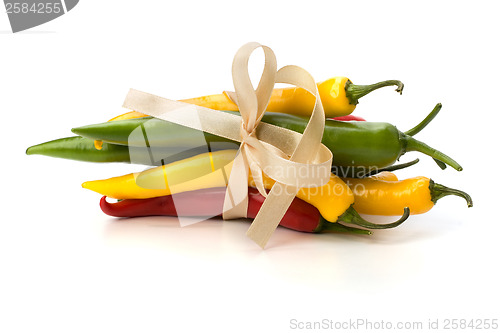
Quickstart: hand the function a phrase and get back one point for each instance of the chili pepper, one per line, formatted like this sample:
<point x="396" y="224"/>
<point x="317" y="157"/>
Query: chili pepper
<point x="338" y="95"/>
<point x="209" y="202"/>
<point x="128" y="115"/>
<point x="337" y="102"/>
<point x="362" y="172"/>
<point x="135" y="114"/>
<point x="300" y="216"/>
<point x="82" y="149"/>
<point x="212" y="170"/>
<point x="385" y="195"/>
<point x="354" y="144"/>
<point x="363" y="144"/>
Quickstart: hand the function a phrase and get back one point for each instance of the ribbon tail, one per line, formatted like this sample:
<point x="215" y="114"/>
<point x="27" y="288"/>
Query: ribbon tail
<point x="236" y="199"/>
<point x="258" y="179"/>
<point x="270" y="214"/>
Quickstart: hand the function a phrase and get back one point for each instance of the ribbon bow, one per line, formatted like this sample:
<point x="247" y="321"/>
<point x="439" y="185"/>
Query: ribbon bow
<point x="292" y="159"/>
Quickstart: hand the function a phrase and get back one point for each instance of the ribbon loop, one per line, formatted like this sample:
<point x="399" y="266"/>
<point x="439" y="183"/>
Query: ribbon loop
<point x="252" y="105"/>
<point x="248" y="99"/>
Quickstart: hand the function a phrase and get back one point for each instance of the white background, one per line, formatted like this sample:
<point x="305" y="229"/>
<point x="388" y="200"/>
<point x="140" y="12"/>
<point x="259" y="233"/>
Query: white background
<point x="67" y="267"/>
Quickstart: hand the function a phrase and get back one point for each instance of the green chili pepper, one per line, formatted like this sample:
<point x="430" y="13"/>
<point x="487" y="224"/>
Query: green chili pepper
<point x="354" y="144"/>
<point x="82" y="149"/>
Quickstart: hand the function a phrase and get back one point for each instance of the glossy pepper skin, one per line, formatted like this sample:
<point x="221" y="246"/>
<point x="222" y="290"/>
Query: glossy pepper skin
<point x="338" y="95"/>
<point x="209" y="202"/>
<point x="212" y="170"/>
<point x="333" y="200"/>
<point x="134" y="114"/>
<point x="82" y="149"/>
<point x="384" y="194"/>
<point x="353" y="143"/>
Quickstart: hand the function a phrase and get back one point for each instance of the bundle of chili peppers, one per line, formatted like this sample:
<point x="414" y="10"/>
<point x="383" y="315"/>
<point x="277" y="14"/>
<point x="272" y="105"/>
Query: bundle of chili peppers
<point x="190" y="168"/>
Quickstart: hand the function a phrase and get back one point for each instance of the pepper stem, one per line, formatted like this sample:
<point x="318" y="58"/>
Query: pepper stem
<point x="391" y="168"/>
<point x="327" y="226"/>
<point x="351" y="216"/>
<point x="423" y="124"/>
<point x="426" y="121"/>
<point x="415" y="145"/>
<point x="354" y="92"/>
<point x="438" y="191"/>
<point x="440" y="164"/>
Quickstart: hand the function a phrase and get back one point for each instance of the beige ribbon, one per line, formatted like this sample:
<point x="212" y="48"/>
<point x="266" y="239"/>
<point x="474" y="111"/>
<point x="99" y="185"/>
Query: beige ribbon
<point x="292" y="159"/>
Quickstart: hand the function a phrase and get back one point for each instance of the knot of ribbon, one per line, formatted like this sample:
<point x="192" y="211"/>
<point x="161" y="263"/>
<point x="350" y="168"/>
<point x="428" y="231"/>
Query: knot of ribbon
<point x="291" y="159"/>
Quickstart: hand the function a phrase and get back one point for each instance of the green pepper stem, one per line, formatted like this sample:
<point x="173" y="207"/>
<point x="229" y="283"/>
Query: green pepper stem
<point x="351" y="216"/>
<point x="440" y="164"/>
<point x="438" y="191"/>
<point x="327" y="226"/>
<point x="391" y="168"/>
<point x="415" y="145"/>
<point x="354" y="92"/>
<point x="426" y="121"/>
<point x="423" y="124"/>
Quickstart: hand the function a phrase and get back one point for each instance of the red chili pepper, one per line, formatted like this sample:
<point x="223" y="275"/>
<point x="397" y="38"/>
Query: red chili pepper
<point x="300" y="216"/>
<point x="349" y="117"/>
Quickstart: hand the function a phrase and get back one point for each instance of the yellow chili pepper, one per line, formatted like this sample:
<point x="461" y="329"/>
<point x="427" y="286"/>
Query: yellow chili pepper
<point x="212" y="170"/>
<point x="338" y="95"/>
<point x="383" y="194"/>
